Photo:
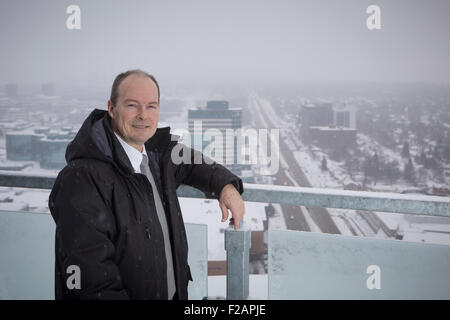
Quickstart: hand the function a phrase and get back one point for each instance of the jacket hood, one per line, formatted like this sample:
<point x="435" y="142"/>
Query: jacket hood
<point x="96" y="140"/>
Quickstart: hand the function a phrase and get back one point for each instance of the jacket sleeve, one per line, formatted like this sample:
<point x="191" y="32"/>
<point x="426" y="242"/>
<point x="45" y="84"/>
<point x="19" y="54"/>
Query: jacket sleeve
<point x="209" y="177"/>
<point x="85" y="226"/>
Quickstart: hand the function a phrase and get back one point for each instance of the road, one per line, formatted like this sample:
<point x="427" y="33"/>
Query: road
<point x="294" y="217"/>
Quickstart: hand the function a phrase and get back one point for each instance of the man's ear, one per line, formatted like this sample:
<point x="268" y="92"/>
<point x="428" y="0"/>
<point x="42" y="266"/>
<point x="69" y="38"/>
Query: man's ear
<point x="110" y="109"/>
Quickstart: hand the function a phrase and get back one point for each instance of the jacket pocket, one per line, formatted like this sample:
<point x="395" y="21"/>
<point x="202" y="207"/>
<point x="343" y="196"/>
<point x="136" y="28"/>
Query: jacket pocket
<point x="121" y="245"/>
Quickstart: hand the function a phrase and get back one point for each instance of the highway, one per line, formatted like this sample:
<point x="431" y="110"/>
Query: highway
<point x="292" y="175"/>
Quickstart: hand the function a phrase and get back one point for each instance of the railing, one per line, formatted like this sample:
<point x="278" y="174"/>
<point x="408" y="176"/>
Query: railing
<point x="297" y="196"/>
<point x="237" y="243"/>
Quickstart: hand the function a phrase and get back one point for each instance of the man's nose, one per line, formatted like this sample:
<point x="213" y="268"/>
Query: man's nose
<point x="143" y="113"/>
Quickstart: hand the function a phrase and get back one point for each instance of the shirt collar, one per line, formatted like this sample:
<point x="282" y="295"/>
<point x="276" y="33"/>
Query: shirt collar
<point x="133" y="154"/>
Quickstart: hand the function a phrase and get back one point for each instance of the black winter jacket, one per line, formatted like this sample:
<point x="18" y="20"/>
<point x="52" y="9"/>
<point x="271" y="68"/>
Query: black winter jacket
<point x="106" y="221"/>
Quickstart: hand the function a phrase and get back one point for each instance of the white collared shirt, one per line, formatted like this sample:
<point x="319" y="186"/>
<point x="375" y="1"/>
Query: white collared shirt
<point x="133" y="154"/>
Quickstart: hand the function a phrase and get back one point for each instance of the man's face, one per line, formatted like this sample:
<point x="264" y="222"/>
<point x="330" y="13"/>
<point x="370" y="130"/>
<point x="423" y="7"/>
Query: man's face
<point x="135" y="115"/>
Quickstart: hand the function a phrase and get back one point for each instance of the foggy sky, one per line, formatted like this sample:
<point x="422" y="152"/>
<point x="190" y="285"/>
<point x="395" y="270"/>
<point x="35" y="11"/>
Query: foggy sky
<point x="225" y="41"/>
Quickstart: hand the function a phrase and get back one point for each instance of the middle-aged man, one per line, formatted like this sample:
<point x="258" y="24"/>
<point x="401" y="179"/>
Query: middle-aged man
<point x="119" y="229"/>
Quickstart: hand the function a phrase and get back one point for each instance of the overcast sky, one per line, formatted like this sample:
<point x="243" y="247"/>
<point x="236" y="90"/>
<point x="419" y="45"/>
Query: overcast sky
<point x="225" y="41"/>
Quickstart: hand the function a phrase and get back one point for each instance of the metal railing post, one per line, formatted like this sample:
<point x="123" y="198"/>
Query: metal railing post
<point x="237" y="245"/>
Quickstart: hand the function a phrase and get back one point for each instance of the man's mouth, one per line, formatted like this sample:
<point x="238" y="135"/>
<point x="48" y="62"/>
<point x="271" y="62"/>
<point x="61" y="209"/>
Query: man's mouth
<point x="141" y="126"/>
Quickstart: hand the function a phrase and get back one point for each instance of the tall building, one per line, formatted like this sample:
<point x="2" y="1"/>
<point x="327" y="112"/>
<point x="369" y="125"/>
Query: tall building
<point x="319" y="114"/>
<point x="328" y="125"/>
<point x="23" y="145"/>
<point x="40" y="144"/>
<point x="345" y="116"/>
<point x="216" y="115"/>
<point x="333" y="137"/>
<point x="342" y="119"/>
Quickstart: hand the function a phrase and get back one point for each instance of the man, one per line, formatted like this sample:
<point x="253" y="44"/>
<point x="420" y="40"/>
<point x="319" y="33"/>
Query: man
<point x="118" y="219"/>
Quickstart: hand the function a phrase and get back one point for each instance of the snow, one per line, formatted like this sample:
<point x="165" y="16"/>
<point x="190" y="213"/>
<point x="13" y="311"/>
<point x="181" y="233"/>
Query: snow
<point x="24" y="199"/>
<point x="316" y="176"/>
<point x="206" y="211"/>
<point x="392" y="220"/>
<point x="336" y="177"/>
<point x="277" y="222"/>
<point x="33" y="170"/>
<point x="418" y="234"/>
<point x="348" y="220"/>
<point x="288" y="174"/>
<point x="312" y="225"/>
<point x="254" y="105"/>
<point x="369" y="146"/>
<point x="333" y="129"/>
<point x="259" y="103"/>
<point x="203" y="211"/>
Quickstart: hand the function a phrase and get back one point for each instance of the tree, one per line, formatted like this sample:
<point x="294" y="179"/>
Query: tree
<point x="409" y="172"/>
<point x="352" y="165"/>
<point x="375" y="167"/>
<point x="436" y="154"/>
<point x="423" y="158"/>
<point x="405" y="150"/>
<point x="324" y="164"/>
<point x="392" y="172"/>
<point x="446" y="153"/>
<point x="367" y="168"/>
<point x="371" y="167"/>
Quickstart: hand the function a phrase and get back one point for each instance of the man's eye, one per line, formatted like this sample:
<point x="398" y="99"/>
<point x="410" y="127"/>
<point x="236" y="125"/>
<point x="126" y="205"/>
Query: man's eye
<point x="132" y="105"/>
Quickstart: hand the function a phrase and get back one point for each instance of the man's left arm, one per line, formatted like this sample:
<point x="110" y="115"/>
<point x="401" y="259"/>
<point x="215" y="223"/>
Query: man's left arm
<point x="213" y="178"/>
